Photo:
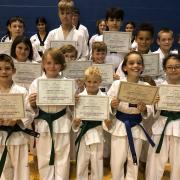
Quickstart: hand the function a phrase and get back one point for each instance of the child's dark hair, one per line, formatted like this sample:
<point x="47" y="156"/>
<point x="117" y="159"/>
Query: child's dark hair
<point x="26" y="41"/>
<point x="76" y="11"/>
<point x="170" y="56"/>
<point x="8" y="59"/>
<point x="56" y="55"/>
<point x="126" y="59"/>
<point x="16" y="18"/>
<point x="130" y="22"/>
<point x="114" y="13"/>
<point x="41" y="19"/>
<point x="145" y="27"/>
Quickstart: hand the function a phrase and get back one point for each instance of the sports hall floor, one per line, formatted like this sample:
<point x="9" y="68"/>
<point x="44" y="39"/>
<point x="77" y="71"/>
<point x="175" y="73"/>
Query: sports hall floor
<point x="107" y="174"/>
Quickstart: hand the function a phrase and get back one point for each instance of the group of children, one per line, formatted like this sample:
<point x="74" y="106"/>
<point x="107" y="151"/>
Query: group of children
<point x="53" y="123"/>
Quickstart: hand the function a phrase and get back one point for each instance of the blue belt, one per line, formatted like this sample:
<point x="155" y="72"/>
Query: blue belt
<point x="49" y="118"/>
<point x="131" y="120"/>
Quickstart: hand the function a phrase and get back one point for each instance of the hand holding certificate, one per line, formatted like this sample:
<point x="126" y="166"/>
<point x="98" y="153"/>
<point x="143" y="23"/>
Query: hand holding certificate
<point x="92" y="107"/>
<point x="56" y="92"/>
<point x="169" y="98"/>
<point x="135" y="93"/>
<point x="12" y="106"/>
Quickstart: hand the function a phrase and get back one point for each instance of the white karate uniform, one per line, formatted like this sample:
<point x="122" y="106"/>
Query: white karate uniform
<point x="120" y="151"/>
<point x="74" y="35"/>
<point x="16" y="165"/>
<point x="83" y="29"/>
<point x="36" y="43"/>
<point x="170" y="149"/>
<point x="90" y="149"/>
<point x="61" y="137"/>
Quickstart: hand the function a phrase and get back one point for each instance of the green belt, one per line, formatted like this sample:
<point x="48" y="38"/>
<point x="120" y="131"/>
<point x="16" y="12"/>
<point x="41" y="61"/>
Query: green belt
<point x="171" y="116"/>
<point x="86" y="125"/>
<point x="10" y="130"/>
<point x="49" y="118"/>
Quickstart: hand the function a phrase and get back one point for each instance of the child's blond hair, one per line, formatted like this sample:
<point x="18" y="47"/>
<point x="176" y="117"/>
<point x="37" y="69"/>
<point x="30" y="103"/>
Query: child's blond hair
<point x="165" y="30"/>
<point x="68" y="48"/>
<point x="66" y="5"/>
<point x="99" y="47"/>
<point x="93" y="71"/>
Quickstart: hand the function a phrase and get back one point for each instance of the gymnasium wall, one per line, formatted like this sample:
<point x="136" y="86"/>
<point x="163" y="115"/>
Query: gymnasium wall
<point x="161" y="13"/>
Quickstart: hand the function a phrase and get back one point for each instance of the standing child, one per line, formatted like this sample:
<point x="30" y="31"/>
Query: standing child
<point x="66" y="31"/>
<point x="114" y="18"/>
<point x="167" y="127"/>
<point x="91" y="143"/>
<point x="13" y="133"/>
<point x="144" y="38"/>
<point x="39" y="38"/>
<point x="120" y="142"/>
<point x="165" y="39"/>
<point x="76" y="22"/>
<point x="16" y="26"/>
<point x="100" y="27"/>
<point x="50" y="168"/>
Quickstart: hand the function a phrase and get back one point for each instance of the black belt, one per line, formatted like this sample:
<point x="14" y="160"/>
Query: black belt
<point x="10" y="130"/>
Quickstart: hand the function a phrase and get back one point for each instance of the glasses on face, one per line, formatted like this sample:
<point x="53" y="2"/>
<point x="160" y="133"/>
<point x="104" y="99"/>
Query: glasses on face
<point x="175" y="68"/>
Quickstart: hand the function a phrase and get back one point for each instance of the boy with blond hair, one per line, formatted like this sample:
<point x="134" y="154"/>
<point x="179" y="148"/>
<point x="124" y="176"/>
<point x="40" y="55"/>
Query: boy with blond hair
<point x="66" y="31"/>
<point x="91" y="142"/>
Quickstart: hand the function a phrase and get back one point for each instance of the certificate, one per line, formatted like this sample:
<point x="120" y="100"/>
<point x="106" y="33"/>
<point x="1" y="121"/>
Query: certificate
<point x="56" y="92"/>
<point x="12" y="106"/>
<point x="5" y="48"/>
<point x="75" y="69"/>
<point x="107" y="72"/>
<point x="169" y="98"/>
<point x="92" y="107"/>
<point x="117" y="41"/>
<point x="135" y="93"/>
<point x="151" y="64"/>
<point x="58" y="44"/>
<point x="26" y="73"/>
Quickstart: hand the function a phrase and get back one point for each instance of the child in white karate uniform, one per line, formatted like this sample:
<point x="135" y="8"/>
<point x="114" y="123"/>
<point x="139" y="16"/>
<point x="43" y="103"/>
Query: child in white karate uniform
<point x="166" y="130"/>
<point x="53" y="146"/>
<point x="13" y="133"/>
<point x="66" y="31"/>
<point x="90" y="145"/>
<point x="121" y="144"/>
